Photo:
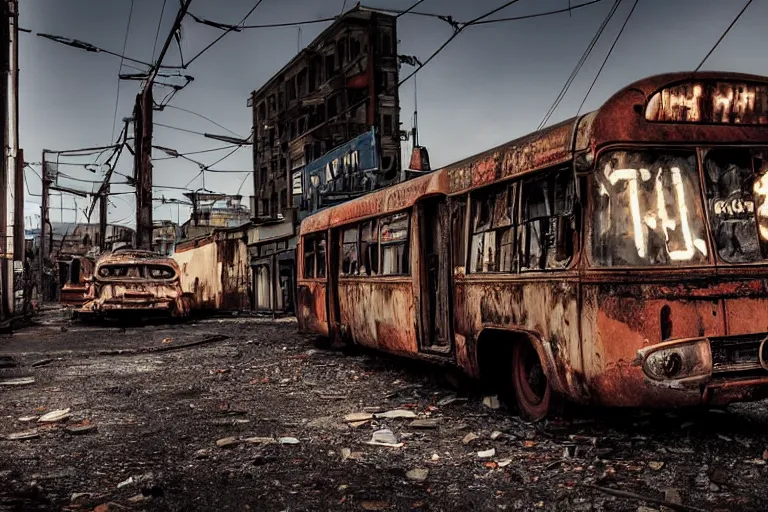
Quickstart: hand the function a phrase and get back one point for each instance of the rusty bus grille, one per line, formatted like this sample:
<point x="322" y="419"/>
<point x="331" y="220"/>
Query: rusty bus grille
<point x="736" y="354"/>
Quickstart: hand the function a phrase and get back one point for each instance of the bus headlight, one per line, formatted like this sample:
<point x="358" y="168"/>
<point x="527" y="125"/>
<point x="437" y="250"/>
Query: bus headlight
<point x="681" y="362"/>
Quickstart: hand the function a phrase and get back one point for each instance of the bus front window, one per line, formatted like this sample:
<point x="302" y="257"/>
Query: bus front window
<point x="647" y="209"/>
<point x="737" y="199"/>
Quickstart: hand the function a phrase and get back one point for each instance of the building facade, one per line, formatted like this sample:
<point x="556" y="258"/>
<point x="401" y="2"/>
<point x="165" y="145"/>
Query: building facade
<point x="326" y="129"/>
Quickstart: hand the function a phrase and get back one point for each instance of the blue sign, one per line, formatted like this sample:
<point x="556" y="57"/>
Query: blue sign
<point x="347" y="169"/>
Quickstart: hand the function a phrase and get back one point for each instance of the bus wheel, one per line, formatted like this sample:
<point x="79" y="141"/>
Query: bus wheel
<point x="532" y="389"/>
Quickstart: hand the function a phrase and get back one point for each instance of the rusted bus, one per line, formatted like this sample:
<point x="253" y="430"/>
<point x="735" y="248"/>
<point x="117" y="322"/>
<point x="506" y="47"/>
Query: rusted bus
<point x="620" y="258"/>
<point x="74" y="272"/>
<point x="135" y="282"/>
<point x="215" y="270"/>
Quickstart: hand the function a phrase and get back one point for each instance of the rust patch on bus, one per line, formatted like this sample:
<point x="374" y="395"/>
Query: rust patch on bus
<point x="311" y="311"/>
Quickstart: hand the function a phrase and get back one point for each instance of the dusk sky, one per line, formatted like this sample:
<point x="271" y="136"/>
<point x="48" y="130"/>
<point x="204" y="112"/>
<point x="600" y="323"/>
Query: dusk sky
<point x="493" y="83"/>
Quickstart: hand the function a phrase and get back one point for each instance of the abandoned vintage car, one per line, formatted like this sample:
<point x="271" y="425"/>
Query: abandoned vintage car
<point x="135" y="282"/>
<point x="617" y="258"/>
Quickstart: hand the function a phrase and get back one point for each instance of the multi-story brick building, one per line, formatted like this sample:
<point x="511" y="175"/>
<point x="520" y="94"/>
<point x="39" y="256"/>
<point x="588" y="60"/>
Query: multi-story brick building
<point x="326" y="128"/>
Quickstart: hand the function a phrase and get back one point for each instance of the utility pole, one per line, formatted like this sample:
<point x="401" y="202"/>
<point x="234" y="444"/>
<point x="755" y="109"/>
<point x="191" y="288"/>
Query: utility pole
<point x="43" y="228"/>
<point x="5" y="67"/>
<point x="143" y="141"/>
<point x="103" y="203"/>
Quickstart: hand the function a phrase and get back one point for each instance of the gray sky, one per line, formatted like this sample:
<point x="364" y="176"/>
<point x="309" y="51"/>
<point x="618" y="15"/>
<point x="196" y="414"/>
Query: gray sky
<point x="492" y="84"/>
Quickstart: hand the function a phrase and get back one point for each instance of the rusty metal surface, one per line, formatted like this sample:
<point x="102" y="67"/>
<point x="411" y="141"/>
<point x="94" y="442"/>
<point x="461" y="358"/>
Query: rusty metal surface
<point x="390" y="324"/>
<point x="311" y="310"/>
<point x="548" y="147"/>
<point x="112" y="294"/>
<point x="73" y="294"/>
<point x="545" y="311"/>
<point x="215" y="271"/>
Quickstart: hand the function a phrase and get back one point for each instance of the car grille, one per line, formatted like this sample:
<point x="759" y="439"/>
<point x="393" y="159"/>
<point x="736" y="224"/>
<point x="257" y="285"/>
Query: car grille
<point x="738" y="354"/>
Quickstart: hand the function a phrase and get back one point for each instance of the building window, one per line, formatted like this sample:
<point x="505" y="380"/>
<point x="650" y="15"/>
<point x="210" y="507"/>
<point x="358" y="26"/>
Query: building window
<point x="283" y="199"/>
<point x="493" y="230"/>
<point x="386" y="125"/>
<point x="349" y="252"/>
<point x="273" y="204"/>
<point x="263" y="176"/>
<point x="548" y="222"/>
<point x="386" y="43"/>
<point x="394" y="245"/>
<point x="330" y="66"/>
<point x="369" y="248"/>
<point x="265" y="207"/>
<point x="291" y="88"/>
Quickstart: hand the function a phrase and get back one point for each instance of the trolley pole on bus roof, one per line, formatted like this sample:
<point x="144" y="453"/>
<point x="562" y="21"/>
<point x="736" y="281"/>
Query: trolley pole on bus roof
<point x="143" y="141"/>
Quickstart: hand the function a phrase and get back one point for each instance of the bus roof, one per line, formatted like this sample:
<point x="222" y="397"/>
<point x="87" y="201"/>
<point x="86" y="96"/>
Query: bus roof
<point x="388" y="200"/>
<point x="621" y="119"/>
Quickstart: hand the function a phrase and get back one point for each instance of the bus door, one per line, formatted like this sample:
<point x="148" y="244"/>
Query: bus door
<point x="435" y="275"/>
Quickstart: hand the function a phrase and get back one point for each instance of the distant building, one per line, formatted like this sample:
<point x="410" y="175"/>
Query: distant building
<point x="211" y="211"/>
<point x="326" y="129"/>
<point x="164" y="236"/>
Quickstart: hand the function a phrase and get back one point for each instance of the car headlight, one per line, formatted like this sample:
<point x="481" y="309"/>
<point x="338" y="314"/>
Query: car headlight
<point x="674" y="361"/>
<point x="103" y="271"/>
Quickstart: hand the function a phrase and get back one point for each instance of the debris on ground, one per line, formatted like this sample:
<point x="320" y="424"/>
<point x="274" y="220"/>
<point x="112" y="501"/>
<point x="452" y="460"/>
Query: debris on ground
<point x="160" y="413"/>
<point x="55" y="416"/>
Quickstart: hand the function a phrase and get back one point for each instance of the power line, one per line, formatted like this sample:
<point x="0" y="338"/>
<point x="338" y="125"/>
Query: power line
<point x="410" y="8"/>
<point x="607" y="56"/>
<point x="579" y="65"/>
<point x="194" y="152"/>
<point x="540" y="14"/>
<point x="723" y="36"/>
<point x="120" y="70"/>
<point x="179" y="129"/>
<point x="202" y="117"/>
<point x="157" y="34"/>
<point x="230" y="29"/>
<point x="82" y="45"/>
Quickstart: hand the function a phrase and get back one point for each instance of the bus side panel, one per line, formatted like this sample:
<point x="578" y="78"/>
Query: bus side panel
<point x="380" y="314"/>
<point x="311" y="310"/>
<point x="547" y="309"/>
<point x="620" y="319"/>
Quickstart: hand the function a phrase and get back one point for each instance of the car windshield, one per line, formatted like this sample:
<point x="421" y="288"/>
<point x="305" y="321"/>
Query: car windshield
<point x="648" y="210"/>
<point x="737" y="200"/>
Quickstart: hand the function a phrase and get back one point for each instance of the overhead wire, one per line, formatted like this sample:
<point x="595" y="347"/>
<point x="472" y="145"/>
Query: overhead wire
<point x="720" y="39"/>
<point x="230" y="29"/>
<point x="607" y="56"/>
<point x="411" y="8"/>
<point x="195" y="152"/>
<point x="457" y="29"/>
<point x="202" y="117"/>
<point x="120" y="70"/>
<point x="157" y="34"/>
<point x="540" y="14"/>
<point x="82" y="45"/>
<point x="579" y="65"/>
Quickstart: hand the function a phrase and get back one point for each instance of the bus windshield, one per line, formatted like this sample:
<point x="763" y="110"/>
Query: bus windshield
<point x="648" y="210"/>
<point x="737" y="200"/>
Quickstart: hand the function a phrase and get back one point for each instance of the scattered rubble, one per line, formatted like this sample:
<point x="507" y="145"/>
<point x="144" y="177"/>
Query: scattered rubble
<point x="55" y="416"/>
<point x="396" y="414"/>
<point x="486" y="454"/>
<point x="417" y="474"/>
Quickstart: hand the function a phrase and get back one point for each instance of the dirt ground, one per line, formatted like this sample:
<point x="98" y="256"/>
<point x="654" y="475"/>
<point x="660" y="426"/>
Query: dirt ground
<point x="183" y="419"/>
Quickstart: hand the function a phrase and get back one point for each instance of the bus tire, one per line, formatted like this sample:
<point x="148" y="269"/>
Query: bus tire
<point x="533" y="392"/>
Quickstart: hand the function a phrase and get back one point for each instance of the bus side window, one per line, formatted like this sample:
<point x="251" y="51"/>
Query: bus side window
<point x="493" y="230"/>
<point x="394" y="245"/>
<point x="309" y="257"/>
<point x="349" y="252"/>
<point x="458" y="233"/>
<point x="320" y="255"/>
<point x="546" y="239"/>
<point x="369" y="248"/>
